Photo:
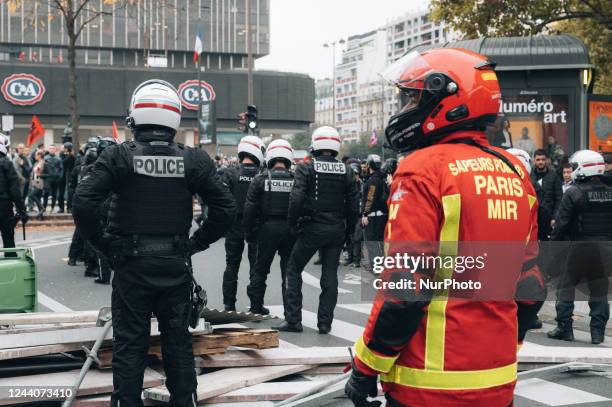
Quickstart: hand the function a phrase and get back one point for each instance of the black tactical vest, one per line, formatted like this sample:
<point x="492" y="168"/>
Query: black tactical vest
<point x="4" y="181"/>
<point x="328" y="189"/>
<point x="155" y="198"/>
<point x="246" y="173"/>
<point x="277" y="187"/>
<point x="594" y="221"/>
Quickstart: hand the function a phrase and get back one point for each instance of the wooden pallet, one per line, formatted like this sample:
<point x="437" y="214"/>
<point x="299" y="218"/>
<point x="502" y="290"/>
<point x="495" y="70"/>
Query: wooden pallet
<point x="210" y="344"/>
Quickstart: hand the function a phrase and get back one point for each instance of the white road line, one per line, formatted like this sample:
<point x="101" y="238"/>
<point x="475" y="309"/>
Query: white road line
<point x="553" y="394"/>
<point x="45" y="239"/>
<point x="312" y="281"/>
<point x="340" y="329"/>
<point x="361" y="308"/>
<point x="42" y="246"/>
<point x="52" y="304"/>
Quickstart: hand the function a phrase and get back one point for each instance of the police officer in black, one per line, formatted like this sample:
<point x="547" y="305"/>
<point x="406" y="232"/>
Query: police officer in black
<point x="265" y="216"/>
<point x="10" y="195"/>
<point x="153" y="180"/>
<point x="323" y="202"/>
<point x="585" y="218"/>
<point x="90" y="255"/>
<point x="250" y="153"/>
<point x="374" y="210"/>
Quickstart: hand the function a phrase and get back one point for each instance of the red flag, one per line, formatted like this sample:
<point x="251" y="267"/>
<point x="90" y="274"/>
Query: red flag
<point x="36" y="131"/>
<point x="115" y="132"/>
<point x="373" y="139"/>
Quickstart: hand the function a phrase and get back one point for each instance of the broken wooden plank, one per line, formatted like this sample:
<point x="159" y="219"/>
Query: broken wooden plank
<point x="96" y="382"/>
<point x="48" y="317"/>
<point x="277" y="356"/>
<point x="274" y="391"/>
<point x="226" y="380"/>
<point x="25" y="329"/>
<point x="66" y="335"/>
<point x="16" y="353"/>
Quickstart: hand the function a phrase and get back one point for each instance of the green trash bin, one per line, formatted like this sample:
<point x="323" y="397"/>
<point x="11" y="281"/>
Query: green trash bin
<point x="18" y="282"/>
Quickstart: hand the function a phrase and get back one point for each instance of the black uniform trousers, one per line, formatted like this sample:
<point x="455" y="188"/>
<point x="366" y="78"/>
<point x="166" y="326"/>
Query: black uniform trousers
<point x="374" y="237"/>
<point x="7" y="227"/>
<point x="61" y="193"/>
<point x="234" y="246"/>
<point x="133" y="302"/>
<point x="586" y="262"/>
<point x="328" y="239"/>
<point x="274" y="236"/>
<point x="77" y="246"/>
<point x="51" y="189"/>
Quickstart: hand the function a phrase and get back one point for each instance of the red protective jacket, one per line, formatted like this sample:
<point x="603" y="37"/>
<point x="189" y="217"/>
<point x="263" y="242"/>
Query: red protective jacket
<point x="446" y="351"/>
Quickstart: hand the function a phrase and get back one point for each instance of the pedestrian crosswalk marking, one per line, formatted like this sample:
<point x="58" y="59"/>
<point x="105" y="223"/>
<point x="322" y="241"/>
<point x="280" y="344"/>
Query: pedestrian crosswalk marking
<point x="340" y="329"/>
<point x="361" y="308"/>
<point x="553" y="394"/>
<point x="312" y="281"/>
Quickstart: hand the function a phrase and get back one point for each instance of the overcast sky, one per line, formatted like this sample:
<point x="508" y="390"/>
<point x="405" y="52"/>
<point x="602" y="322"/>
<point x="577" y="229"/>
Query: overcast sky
<point x="299" y="28"/>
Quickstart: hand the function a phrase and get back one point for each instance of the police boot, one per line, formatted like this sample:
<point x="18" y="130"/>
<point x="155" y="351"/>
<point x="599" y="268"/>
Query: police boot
<point x="101" y="281"/>
<point x="324" y="328"/>
<point x="259" y="309"/>
<point x="536" y="323"/>
<point x="289" y="327"/>
<point x="597" y="335"/>
<point x="563" y="332"/>
<point x="91" y="272"/>
<point x="72" y="262"/>
<point x="229" y="307"/>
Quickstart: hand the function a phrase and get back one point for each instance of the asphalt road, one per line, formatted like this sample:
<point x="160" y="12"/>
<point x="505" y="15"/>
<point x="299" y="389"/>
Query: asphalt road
<point x="63" y="288"/>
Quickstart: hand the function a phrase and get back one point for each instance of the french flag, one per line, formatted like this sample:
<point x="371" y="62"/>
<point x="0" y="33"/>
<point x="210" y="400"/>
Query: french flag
<point x="199" y="44"/>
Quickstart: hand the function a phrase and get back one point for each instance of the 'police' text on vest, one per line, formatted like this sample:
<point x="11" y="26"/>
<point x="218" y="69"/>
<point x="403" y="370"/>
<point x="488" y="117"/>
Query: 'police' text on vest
<point x="329" y="167"/>
<point x="279" y="185"/>
<point x="159" y="166"/>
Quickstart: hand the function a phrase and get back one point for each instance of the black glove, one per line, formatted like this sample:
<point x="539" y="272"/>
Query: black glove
<point x="359" y="386"/>
<point x="23" y="217"/>
<point x="193" y="246"/>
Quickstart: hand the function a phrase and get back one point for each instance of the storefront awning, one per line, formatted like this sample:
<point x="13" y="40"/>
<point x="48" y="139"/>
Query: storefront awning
<point x="527" y="53"/>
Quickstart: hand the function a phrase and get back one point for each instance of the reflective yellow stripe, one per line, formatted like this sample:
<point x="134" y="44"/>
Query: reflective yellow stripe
<point x="436" y="313"/>
<point x="451" y="380"/>
<point x="532" y="200"/>
<point x="377" y="362"/>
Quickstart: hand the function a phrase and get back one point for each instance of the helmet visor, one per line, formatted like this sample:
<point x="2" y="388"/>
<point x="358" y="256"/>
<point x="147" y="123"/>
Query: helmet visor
<point x="409" y="72"/>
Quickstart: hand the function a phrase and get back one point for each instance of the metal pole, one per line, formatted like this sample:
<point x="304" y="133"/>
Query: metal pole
<point x="382" y="118"/>
<point x="333" y="82"/>
<point x="198" y="66"/>
<point x="249" y="54"/>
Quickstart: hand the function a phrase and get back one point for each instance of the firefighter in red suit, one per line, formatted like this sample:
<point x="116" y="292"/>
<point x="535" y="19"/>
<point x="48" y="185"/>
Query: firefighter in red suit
<point x="435" y="347"/>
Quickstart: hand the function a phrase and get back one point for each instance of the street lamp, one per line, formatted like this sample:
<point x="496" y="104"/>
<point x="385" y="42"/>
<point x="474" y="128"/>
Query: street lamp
<point x="333" y="47"/>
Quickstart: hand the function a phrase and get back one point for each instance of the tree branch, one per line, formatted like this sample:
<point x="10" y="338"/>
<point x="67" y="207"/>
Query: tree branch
<point x="58" y="4"/>
<point x="89" y="20"/>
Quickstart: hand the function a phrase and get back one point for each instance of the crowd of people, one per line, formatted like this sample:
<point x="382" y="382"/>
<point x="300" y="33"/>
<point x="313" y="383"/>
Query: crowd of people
<point x="44" y="176"/>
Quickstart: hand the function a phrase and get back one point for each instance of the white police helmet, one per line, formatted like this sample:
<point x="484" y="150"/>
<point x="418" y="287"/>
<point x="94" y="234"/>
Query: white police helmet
<point x="5" y="140"/>
<point x="523" y="157"/>
<point x="279" y="150"/>
<point x="155" y="103"/>
<point x="253" y="147"/>
<point x="586" y="163"/>
<point x="326" y="138"/>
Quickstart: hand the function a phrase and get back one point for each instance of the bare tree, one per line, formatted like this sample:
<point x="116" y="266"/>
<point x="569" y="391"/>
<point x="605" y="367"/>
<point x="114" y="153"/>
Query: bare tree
<point x="72" y="10"/>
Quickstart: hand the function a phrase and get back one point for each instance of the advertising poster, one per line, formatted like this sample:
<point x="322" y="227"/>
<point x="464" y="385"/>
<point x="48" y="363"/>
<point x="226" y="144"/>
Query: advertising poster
<point x="600" y="124"/>
<point x="530" y="122"/>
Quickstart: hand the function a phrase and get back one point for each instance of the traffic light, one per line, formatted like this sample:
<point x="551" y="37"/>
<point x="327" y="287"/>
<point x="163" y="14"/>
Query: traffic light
<point x="252" y="117"/>
<point x="242" y="121"/>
